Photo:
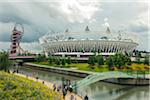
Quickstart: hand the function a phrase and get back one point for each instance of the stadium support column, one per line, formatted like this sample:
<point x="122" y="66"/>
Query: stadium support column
<point x="63" y="55"/>
<point x="46" y="54"/>
<point x="78" y="55"/>
<point x="96" y="53"/>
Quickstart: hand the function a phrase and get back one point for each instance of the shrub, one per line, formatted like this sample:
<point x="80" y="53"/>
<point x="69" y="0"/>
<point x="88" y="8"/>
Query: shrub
<point x="63" y="61"/>
<point x="40" y="58"/>
<point x="92" y="60"/>
<point x="68" y="60"/>
<point x="5" y="63"/>
<point x="109" y="62"/>
<point x="57" y="61"/>
<point x="120" y="60"/>
<point x="50" y="60"/>
<point x="100" y="60"/>
<point x="146" y="60"/>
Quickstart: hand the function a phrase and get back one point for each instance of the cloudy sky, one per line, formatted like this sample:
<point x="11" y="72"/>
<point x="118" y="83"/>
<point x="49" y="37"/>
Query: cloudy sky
<point x="40" y="17"/>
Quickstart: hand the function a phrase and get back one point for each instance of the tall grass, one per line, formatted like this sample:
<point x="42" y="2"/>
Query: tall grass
<point x="13" y="87"/>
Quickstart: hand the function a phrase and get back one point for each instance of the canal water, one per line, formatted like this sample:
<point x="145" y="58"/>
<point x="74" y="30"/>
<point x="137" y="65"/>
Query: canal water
<point x="96" y="91"/>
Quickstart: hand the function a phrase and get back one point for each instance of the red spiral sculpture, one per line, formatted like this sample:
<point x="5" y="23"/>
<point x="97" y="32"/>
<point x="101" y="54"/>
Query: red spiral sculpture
<point x="15" y="40"/>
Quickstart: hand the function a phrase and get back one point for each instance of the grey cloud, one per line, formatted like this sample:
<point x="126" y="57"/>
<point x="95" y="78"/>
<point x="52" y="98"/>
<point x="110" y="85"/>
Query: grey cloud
<point x="9" y="14"/>
<point x="136" y="28"/>
<point x="6" y="18"/>
<point x="5" y="37"/>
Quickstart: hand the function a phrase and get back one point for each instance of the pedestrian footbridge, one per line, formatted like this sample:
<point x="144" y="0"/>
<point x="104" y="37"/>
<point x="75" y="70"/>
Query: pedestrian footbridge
<point x="99" y="76"/>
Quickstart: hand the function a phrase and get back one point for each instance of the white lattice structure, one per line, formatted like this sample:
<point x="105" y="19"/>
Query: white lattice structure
<point x="87" y="43"/>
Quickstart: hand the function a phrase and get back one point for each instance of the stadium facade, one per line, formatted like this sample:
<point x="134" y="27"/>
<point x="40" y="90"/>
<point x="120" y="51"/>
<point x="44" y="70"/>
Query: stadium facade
<point x="87" y="42"/>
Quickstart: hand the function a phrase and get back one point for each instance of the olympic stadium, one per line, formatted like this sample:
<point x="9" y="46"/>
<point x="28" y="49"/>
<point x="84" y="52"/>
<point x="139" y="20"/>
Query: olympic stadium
<point x="87" y="43"/>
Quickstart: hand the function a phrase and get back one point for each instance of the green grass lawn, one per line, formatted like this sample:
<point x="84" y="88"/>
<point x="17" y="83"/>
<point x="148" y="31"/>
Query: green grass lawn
<point x="96" y="68"/>
<point x="14" y="87"/>
<point x="79" y="66"/>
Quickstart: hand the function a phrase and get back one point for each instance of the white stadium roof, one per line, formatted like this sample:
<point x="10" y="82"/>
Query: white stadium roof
<point x="89" y="41"/>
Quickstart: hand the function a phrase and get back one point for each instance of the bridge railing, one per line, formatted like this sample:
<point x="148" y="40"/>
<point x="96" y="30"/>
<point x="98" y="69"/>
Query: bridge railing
<point x="100" y="76"/>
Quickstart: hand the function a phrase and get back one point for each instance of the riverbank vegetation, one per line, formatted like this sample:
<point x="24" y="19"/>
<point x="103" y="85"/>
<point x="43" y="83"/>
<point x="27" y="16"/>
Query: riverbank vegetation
<point x="14" y="87"/>
<point x="96" y="63"/>
<point x="79" y="66"/>
<point x="5" y="63"/>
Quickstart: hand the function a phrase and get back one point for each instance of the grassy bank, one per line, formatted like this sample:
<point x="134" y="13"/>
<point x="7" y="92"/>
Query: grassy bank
<point x="79" y="66"/>
<point x="13" y="87"/>
<point x="96" y="68"/>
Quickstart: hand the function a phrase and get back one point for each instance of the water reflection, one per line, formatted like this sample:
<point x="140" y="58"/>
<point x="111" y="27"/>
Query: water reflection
<point x="98" y="90"/>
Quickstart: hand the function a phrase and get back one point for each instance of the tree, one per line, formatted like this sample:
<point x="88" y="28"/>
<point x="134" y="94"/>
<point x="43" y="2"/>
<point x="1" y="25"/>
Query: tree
<point x="40" y="58"/>
<point x="50" y="60"/>
<point x="115" y="59"/>
<point x="119" y="60"/>
<point x="146" y="60"/>
<point x="127" y="60"/>
<point x="57" y="61"/>
<point x="68" y="60"/>
<point x="100" y="60"/>
<point x="54" y="59"/>
<point x="63" y="62"/>
<point x="138" y="56"/>
<point x="5" y="63"/>
<point x="91" y="60"/>
<point x="109" y="62"/>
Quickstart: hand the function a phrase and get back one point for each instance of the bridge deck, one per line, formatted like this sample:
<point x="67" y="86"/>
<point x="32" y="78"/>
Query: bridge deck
<point x="100" y="76"/>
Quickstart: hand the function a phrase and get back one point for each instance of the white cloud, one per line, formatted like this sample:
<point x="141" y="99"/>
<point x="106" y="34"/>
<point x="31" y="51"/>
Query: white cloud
<point x="140" y="24"/>
<point x="79" y="11"/>
<point x="106" y="24"/>
<point x="92" y="21"/>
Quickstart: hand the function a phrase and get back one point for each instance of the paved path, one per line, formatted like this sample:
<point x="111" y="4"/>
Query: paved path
<point x="50" y="85"/>
<point x="63" y="69"/>
<point x="147" y="76"/>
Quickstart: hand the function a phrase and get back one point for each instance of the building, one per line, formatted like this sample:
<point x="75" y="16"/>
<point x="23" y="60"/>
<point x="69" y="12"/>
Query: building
<point x="87" y="43"/>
